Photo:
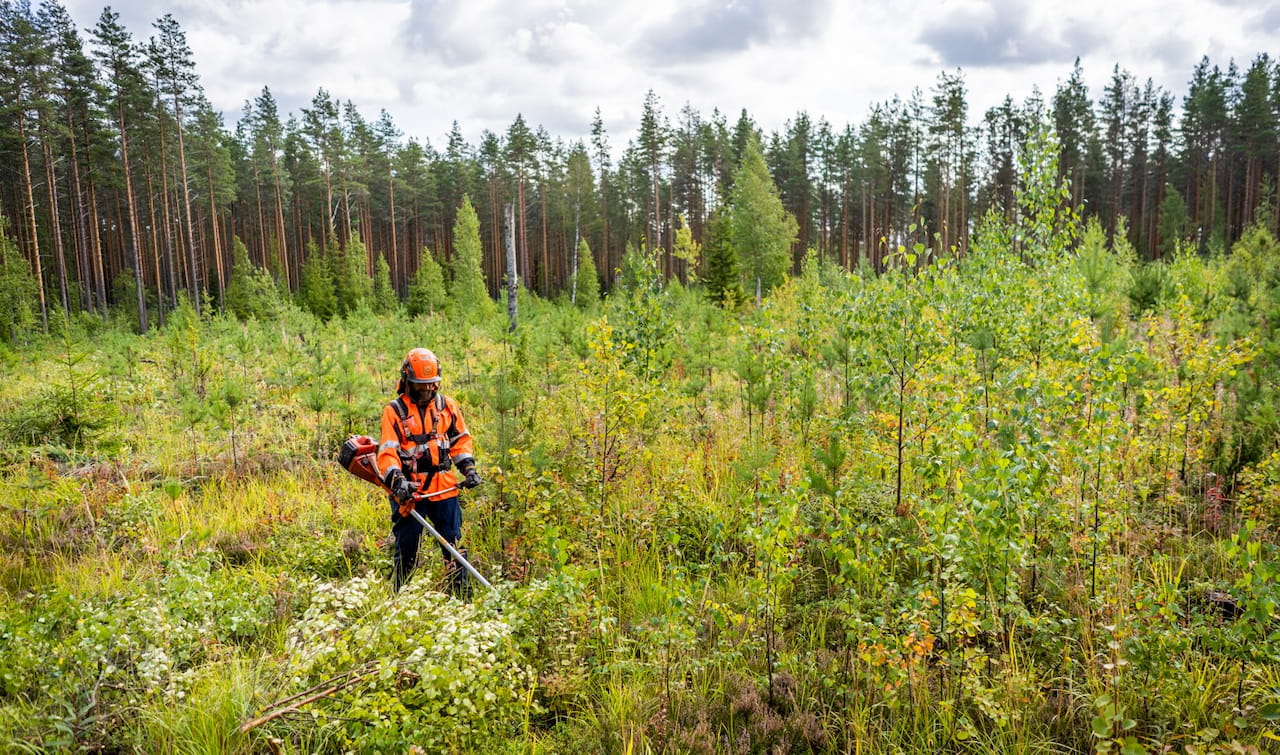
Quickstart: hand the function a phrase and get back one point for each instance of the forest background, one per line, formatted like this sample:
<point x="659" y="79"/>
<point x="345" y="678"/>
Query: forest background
<point x="120" y="182"/>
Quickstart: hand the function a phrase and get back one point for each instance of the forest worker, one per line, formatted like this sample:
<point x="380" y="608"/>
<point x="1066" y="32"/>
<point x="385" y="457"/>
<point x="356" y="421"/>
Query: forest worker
<point x="423" y="440"/>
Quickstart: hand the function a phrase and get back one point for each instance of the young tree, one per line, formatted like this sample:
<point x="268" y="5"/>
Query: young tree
<point x="469" y="291"/>
<point x="1174" y="222"/>
<point x="316" y="291"/>
<point x="351" y="279"/>
<point x="426" y="289"/>
<point x="720" y="272"/>
<point x="686" y="248"/>
<point x="586" y="281"/>
<point x="760" y="229"/>
<point x="17" y="290"/>
<point x="250" y="291"/>
<point x="384" y="296"/>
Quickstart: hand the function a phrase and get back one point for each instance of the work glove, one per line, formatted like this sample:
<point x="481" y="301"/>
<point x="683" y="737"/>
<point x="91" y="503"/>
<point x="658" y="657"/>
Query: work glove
<point x="470" y="477"/>
<point x="401" y="489"/>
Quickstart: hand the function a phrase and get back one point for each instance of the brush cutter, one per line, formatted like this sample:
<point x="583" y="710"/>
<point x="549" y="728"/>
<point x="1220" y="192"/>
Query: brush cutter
<point x="358" y="456"/>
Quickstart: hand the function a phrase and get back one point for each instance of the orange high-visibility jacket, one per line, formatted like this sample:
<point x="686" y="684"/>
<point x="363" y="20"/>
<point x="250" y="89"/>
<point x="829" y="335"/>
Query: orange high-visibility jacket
<point x="416" y="439"/>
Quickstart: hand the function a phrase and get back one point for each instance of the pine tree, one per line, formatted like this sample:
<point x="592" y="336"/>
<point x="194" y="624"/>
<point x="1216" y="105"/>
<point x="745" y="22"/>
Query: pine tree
<point x="316" y="291"/>
<point x="117" y="54"/>
<point x="720" y="270"/>
<point x="250" y="292"/>
<point x="586" y="283"/>
<point x="1174" y="221"/>
<point x="18" y="290"/>
<point x="175" y="71"/>
<point x="1074" y="121"/>
<point x="468" y="290"/>
<point x="352" y="284"/>
<point x="384" y="296"/>
<point x="761" y="231"/>
<point x="426" y="289"/>
<point x="212" y="170"/>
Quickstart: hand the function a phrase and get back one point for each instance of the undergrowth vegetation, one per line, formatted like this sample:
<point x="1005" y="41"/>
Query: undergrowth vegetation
<point x="1024" y="500"/>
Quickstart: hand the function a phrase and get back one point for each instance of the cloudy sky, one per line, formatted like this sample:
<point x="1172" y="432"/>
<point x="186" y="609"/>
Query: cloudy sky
<point x="480" y="62"/>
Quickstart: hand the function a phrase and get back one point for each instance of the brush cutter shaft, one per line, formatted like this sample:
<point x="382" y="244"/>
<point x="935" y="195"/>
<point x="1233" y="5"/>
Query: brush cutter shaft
<point x="449" y="547"/>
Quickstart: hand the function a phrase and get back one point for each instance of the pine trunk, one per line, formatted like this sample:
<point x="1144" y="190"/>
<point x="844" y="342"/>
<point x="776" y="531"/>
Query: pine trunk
<point x="169" y="254"/>
<point x="55" y="224"/>
<point x="391" y="194"/>
<point x="33" y="229"/>
<point x="133" y="221"/>
<point x="512" y="277"/>
<point x="217" y="237"/>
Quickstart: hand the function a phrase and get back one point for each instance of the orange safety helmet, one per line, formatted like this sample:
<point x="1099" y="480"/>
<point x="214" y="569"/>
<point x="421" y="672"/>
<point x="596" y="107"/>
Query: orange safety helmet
<point x="419" y="366"/>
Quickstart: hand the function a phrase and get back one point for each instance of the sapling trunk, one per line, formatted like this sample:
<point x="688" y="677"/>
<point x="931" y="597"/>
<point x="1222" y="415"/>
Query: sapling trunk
<point x="902" y="405"/>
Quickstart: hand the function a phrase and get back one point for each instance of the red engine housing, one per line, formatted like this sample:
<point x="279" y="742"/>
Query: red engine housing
<point x="359" y="456"/>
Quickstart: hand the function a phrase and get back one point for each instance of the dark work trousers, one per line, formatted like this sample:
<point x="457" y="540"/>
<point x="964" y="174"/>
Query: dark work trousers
<point x="445" y="516"/>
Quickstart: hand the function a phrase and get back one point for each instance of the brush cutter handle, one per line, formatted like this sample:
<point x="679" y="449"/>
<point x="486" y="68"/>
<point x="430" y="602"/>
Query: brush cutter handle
<point x="419" y="495"/>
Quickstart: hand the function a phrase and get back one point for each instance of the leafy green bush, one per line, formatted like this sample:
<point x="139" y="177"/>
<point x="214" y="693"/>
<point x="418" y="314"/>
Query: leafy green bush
<point x="18" y="306"/>
<point x="418" y="669"/>
<point x="135" y="646"/>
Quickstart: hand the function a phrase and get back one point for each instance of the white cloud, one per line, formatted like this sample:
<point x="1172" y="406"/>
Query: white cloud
<point x="480" y="62"/>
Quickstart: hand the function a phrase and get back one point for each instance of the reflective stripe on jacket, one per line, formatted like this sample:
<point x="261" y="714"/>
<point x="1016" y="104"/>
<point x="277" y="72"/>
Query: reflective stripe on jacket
<point x="417" y="438"/>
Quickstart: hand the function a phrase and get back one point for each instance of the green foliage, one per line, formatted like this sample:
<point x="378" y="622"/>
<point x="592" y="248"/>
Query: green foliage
<point x="139" y="644"/>
<point x="760" y="229"/>
<point x="427" y="671"/>
<point x="317" y="292"/>
<point x="250" y="292"/>
<point x="1049" y="223"/>
<point x="586" y="283"/>
<point x="685" y="247"/>
<point x="720" y="271"/>
<point x="68" y="411"/>
<point x="18" y="304"/>
<point x="1175" y="224"/>
<point x="426" y="288"/>
<point x="352" y="286"/>
<point x="640" y="308"/>
<point x="384" y="296"/>
<point x="962" y="506"/>
<point x="124" y="288"/>
<point x="468" y="290"/>
<point x="1149" y="288"/>
<point x="1105" y="274"/>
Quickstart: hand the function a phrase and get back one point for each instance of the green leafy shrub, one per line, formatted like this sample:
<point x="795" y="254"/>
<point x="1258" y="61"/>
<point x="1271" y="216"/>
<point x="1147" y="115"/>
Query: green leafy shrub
<point x="421" y="668"/>
<point x="138" y="645"/>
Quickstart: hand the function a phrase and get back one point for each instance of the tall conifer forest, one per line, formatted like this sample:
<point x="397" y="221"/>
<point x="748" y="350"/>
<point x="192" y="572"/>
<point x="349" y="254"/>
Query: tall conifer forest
<point x="942" y="432"/>
<point x="122" y="186"/>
